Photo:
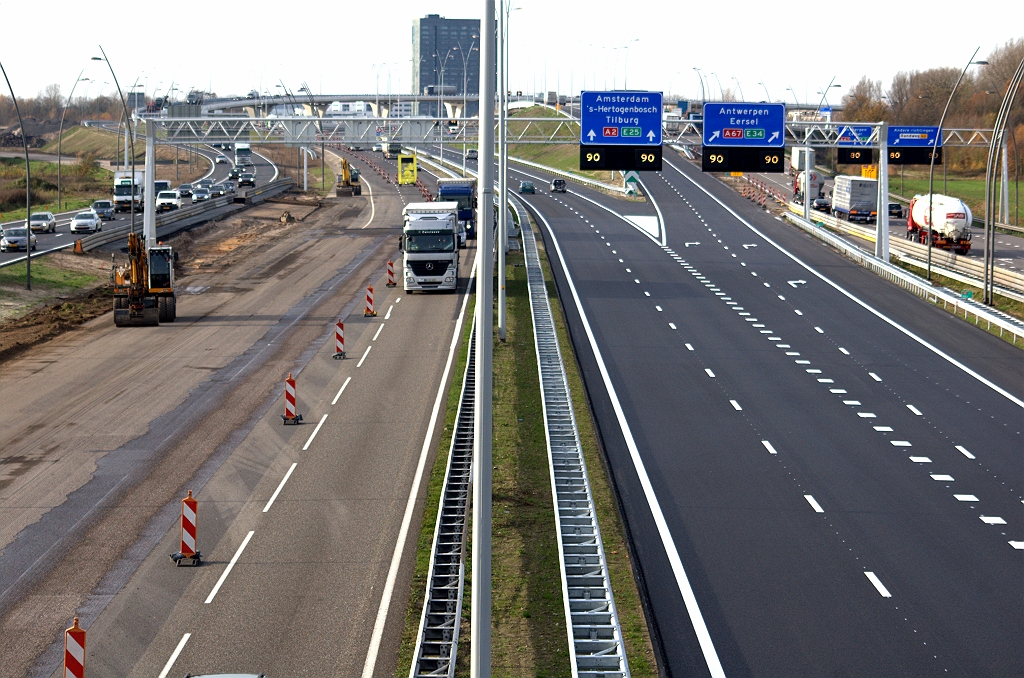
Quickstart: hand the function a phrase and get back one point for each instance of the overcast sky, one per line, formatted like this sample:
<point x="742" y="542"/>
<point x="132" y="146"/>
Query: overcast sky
<point x="343" y="46"/>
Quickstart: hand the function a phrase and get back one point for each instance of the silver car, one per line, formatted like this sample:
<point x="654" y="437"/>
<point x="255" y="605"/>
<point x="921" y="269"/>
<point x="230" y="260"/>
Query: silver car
<point x="43" y="222"/>
<point x="14" y="239"/>
<point x="86" y="221"/>
<point x="200" y="195"/>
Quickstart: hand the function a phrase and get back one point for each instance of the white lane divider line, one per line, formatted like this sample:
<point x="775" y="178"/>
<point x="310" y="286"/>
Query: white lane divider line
<point x="1019" y="545"/>
<point x="992" y="520"/>
<point x="768" y="446"/>
<point x="883" y="428"/>
<point x="965" y="497"/>
<point x="340" y="391"/>
<point x="837" y="390"/>
<point x="281" y="486"/>
<point x="963" y="451"/>
<point x="174" y="655"/>
<point x="866" y="415"/>
<point x="942" y="477"/>
<point x="874" y="376"/>
<point x="819" y="330"/>
<point x="900" y="443"/>
<point x="735" y="405"/>
<point x="378" y="331"/>
<point x="798" y="311"/>
<point x="398" y="300"/>
<point x="231" y="566"/>
<point x="672" y="325"/>
<point x="814" y="504"/>
<point x="387" y="316"/>
<point x="360" y="363"/>
<point x="914" y="410"/>
<point x="710" y="373"/>
<point x="855" y="403"/>
<point x="313" y="434"/>
<point x="921" y="460"/>
<point x="877" y="583"/>
<point x="843" y="351"/>
<point x="689" y="347"/>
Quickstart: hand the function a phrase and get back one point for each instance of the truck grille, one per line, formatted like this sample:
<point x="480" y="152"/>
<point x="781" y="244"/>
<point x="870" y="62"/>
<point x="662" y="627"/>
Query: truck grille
<point x="422" y="267"/>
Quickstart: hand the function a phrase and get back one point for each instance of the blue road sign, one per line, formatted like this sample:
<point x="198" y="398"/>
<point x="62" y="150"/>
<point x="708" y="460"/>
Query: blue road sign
<point x="734" y="123"/>
<point x="854" y="135"/>
<point x="620" y="118"/>
<point x="913" y="136"/>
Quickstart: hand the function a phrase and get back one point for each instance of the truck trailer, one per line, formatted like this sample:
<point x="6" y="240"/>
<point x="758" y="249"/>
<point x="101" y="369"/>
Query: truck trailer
<point x="430" y="246"/>
<point x="817" y="185"/>
<point x="951" y="222"/>
<point x="463" y="192"/>
<point x="855" y="198"/>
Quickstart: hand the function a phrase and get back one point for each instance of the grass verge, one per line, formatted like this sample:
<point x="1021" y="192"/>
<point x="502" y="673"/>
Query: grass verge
<point x="46" y="276"/>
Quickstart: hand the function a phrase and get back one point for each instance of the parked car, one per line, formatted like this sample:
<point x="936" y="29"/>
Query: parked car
<point x="821" y="205"/>
<point x="247" y="180"/>
<point x="200" y="194"/>
<point x="185" y="190"/>
<point x="558" y="185"/>
<point x="43" y="222"/>
<point x="896" y="210"/>
<point x="14" y="239"/>
<point x="526" y="187"/>
<point x="221" y="160"/>
<point x="217" y="190"/>
<point x="104" y="209"/>
<point x="167" y="201"/>
<point x="88" y="222"/>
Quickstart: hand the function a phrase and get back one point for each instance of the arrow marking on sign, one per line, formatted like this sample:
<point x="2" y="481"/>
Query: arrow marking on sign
<point x="773" y="137"/>
<point x="794" y="283"/>
<point x="650" y="135"/>
<point x="747" y="247"/>
<point x="715" y="134"/>
<point x="591" y="135"/>
<point x="687" y="244"/>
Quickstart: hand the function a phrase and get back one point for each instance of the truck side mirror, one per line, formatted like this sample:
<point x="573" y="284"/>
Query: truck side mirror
<point x="400" y="244"/>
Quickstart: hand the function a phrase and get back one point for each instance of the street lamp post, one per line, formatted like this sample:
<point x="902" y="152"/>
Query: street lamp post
<point x="823" y="93"/>
<point x="28" y="185"/>
<point x="60" y="133"/>
<point x="931" y="163"/>
<point x="795" y="100"/>
<point x="703" y="94"/>
<point x="128" y="124"/>
<point x="769" y="96"/>
<point x="740" y="87"/>
<point x="721" y="93"/>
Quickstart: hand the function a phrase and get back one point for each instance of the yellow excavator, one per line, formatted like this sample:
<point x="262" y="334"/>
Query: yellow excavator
<point x="348" y="180"/>
<point x="144" y="287"/>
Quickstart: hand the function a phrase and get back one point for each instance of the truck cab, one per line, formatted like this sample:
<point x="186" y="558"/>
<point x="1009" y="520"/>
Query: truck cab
<point x="463" y="192"/>
<point x="430" y="246"/>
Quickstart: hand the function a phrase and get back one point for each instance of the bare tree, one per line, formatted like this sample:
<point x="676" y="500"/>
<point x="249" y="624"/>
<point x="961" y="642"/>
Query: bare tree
<point x="864" y="102"/>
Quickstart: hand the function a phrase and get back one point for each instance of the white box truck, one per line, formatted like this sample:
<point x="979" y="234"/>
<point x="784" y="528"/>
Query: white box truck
<point x="123" y="190"/>
<point x="430" y="246"/>
<point x="855" y="198"/>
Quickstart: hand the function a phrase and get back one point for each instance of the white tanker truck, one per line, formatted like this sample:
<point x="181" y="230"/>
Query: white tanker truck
<point x="952" y="222"/>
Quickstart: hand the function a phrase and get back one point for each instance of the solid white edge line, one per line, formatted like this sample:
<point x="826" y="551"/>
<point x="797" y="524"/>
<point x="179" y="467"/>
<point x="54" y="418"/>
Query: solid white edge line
<point x="937" y="351"/>
<point x="378" y="331"/>
<point x="661" y="217"/>
<point x="174" y="655"/>
<point x="281" y="486"/>
<point x="877" y="583"/>
<point x="689" y="599"/>
<point x="231" y="565"/>
<point x="360" y="363"/>
<point x="315" y="431"/>
<point x="396" y="558"/>
<point x="814" y="504"/>
<point x="340" y="391"/>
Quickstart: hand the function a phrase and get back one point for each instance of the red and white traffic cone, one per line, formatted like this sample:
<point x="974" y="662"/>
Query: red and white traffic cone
<point x="290" y="416"/>
<point x="339" y="340"/>
<point x="369" y="312"/>
<point x="189" y="511"/>
<point x="391" y="273"/>
<point x="74" y="651"/>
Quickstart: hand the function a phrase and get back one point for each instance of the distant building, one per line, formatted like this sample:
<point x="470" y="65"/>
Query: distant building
<point x="445" y="44"/>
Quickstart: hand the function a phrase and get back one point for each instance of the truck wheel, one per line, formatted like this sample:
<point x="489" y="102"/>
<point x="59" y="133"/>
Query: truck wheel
<point x="161" y="304"/>
<point x="172" y="304"/>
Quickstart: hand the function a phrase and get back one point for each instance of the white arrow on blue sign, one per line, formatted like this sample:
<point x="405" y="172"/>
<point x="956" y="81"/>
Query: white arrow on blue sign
<point x="735" y="123"/>
<point x="624" y="118"/>
<point x="854" y="135"/>
<point x="913" y="136"/>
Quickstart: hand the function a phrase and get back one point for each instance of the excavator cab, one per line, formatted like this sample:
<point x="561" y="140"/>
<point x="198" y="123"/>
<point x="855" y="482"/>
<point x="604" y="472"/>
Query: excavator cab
<point x="144" y="287"/>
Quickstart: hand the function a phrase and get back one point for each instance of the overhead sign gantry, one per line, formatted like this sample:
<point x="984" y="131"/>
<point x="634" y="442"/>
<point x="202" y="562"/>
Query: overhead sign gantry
<point x="620" y="130"/>
<point x="743" y="137"/>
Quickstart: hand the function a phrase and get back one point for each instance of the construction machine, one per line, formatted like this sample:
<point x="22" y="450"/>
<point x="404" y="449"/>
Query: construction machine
<point x="348" y="180"/>
<point x="144" y="287"/>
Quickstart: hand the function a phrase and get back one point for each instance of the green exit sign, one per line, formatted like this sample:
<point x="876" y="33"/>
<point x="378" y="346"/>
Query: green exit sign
<point x="753" y="134"/>
<point x="630" y="131"/>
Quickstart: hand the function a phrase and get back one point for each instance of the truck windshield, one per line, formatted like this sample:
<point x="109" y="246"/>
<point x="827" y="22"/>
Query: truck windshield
<point x="124" y="190"/>
<point x="444" y="242"/>
<point x="159" y="269"/>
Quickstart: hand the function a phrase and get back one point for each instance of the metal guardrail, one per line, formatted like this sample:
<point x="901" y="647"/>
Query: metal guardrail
<point x="437" y="642"/>
<point x="919" y="286"/>
<point x="596" y="647"/>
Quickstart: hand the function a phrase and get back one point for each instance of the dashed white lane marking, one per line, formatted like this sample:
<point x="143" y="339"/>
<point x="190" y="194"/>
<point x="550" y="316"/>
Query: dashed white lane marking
<point x="826" y="381"/>
<point x="398" y="300"/>
<point x="281" y="486"/>
<point x="340" y="391"/>
<point x="672" y="325"/>
<point x="231" y="565"/>
<point x="877" y="583"/>
<point x="710" y="373"/>
<point x="735" y="405"/>
<point x="798" y="311"/>
<point x="837" y="390"/>
<point x="387" y="316"/>
<point x="360" y="363"/>
<point x="814" y="504"/>
<point x="883" y="428"/>
<point x="851" y="402"/>
<point x="843" y="351"/>
<point x="921" y="460"/>
<point x="942" y="477"/>
<point x="647" y="294"/>
<point x="965" y="497"/>
<point x="914" y="410"/>
<point x="874" y="376"/>
<point x="900" y="443"/>
<point x="313" y="434"/>
<point x="768" y="446"/>
<point x="992" y="520"/>
<point x="378" y="331"/>
<point x="819" y="330"/>
<point x="963" y="451"/>
<point x="174" y="656"/>
<point x="792" y="352"/>
<point x="1019" y="545"/>
<point x="636" y="281"/>
<point x="866" y="415"/>
<point x="689" y="347"/>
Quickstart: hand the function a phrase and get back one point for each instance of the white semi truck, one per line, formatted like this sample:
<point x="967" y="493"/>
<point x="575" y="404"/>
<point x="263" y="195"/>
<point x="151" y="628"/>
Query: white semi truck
<point x="123" y="186"/>
<point x="817" y="185"/>
<point x="430" y="246"/>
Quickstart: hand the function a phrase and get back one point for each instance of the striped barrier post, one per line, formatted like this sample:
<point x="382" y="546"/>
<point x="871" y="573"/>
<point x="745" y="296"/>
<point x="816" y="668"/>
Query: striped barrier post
<point x="74" y="651"/>
<point x="369" y="312"/>
<point x="189" y="511"/>
<point x="391" y="273"/>
<point x="339" y="340"/>
<point x="290" y="416"/>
